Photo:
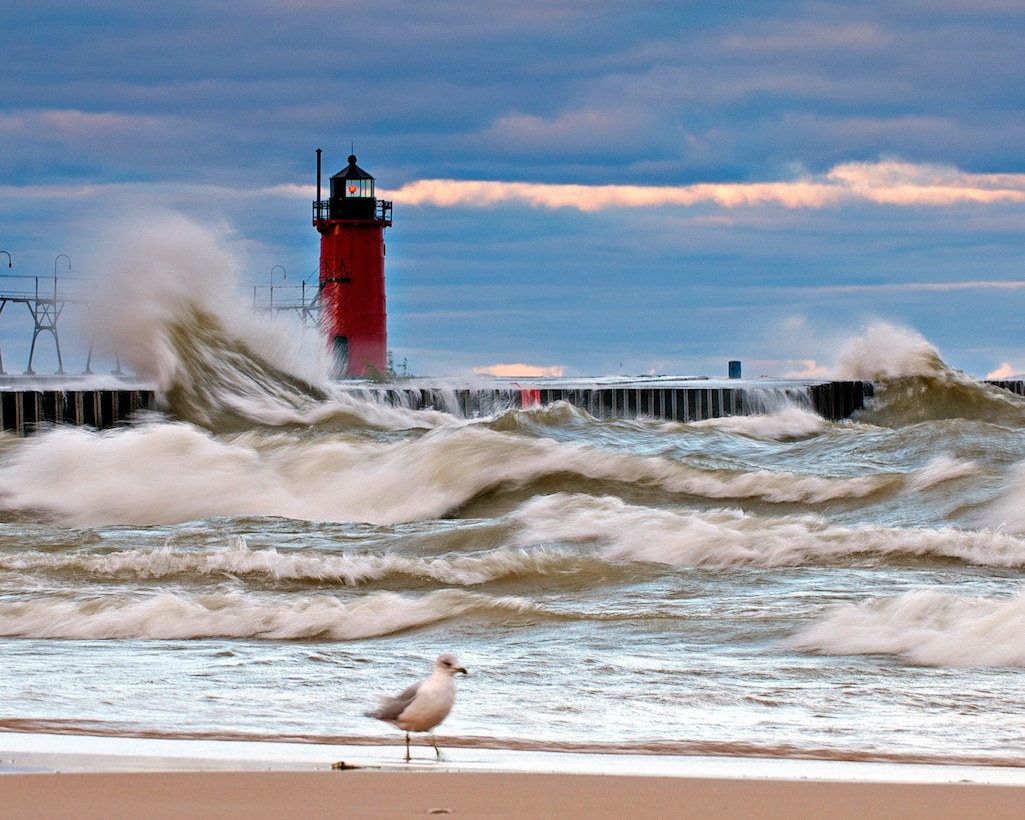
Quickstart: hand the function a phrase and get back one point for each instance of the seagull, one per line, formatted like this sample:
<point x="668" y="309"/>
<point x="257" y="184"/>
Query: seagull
<point x="425" y="704"/>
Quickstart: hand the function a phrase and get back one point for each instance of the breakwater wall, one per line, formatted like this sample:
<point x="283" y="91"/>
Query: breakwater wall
<point x="1013" y="385"/>
<point x="676" y="400"/>
<point x="23" y="411"/>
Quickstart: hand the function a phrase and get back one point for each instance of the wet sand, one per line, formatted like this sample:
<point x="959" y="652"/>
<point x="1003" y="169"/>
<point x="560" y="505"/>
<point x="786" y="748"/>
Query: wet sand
<point x="74" y="776"/>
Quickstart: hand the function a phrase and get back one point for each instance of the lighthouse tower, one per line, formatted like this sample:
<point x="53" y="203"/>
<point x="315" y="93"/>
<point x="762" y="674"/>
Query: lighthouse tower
<point x="351" y="225"/>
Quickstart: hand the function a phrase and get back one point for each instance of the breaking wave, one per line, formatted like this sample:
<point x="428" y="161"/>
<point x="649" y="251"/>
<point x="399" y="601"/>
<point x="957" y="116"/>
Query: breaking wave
<point x="913" y="384"/>
<point x="304" y="568"/>
<point x="928" y="627"/>
<point x="730" y="537"/>
<point x="165" y="473"/>
<point x="173" y="616"/>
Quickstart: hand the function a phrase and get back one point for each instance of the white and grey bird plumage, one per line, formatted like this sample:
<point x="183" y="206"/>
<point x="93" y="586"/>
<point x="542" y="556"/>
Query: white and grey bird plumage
<point x="425" y="704"/>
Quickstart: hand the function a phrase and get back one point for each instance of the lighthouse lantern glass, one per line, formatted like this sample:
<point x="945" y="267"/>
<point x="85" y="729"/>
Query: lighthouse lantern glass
<point x="359" y="188"/>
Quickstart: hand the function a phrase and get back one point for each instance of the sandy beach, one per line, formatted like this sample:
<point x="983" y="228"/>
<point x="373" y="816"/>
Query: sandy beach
<point x="505" y="794"/>
<point x="132" y="778"/>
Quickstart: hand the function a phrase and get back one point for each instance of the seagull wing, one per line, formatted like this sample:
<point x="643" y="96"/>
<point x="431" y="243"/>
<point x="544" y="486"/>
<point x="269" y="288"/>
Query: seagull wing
<point x="392" y="707"/>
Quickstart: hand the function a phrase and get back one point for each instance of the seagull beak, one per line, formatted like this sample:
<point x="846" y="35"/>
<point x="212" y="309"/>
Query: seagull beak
<point x="461" y="669"/>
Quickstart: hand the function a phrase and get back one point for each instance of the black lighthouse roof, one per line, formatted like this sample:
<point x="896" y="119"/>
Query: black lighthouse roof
<point x="353" y="171"/>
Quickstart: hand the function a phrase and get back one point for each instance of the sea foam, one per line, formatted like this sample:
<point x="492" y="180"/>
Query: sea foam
<point x="727" y="537"/>
<point x="929" y="627"/>
<point x="235" y="614"/>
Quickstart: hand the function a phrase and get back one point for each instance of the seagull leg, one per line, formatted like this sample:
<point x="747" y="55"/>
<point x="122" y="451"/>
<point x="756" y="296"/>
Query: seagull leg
<point x="407" y="747"/>
<point x="434" y="743"/>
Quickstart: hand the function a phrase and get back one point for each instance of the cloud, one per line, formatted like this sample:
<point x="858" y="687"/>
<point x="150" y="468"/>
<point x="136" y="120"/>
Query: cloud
<point x="1005" y="371"/>
<point x="511" y="371"/>
<point x="883" y="183"/>
<point x="72" y="126"/>
<point x="914" y="287"/>
<point x="449" y="193"/>
<point x="804" y="369"/>
<point x="903" y="183"/>
<point x="801" y="36"/>
<point x="580" y="132"/>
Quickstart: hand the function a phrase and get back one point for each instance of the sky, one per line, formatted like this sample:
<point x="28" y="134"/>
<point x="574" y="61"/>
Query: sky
<point x="579" y="187"/>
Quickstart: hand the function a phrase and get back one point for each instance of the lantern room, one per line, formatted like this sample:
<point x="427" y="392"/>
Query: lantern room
<point x="352" y="193"/>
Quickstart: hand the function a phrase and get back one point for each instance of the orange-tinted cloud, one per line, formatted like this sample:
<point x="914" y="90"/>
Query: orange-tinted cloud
<point x="513" y="371"/>
<point x="1005" y="371"/>
<point x="884" y="183"/>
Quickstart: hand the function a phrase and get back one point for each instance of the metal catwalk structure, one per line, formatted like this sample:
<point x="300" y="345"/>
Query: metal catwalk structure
<point x="46" y="299"/>
<point x="46" y="307"/>
<point x="303" y="299"/>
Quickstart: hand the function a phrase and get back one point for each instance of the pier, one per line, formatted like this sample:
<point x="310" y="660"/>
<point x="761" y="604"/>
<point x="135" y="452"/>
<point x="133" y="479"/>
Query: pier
<point x="27" y="408"/>
<point x="1016" y="386"/>
<point x="669" y="398"/>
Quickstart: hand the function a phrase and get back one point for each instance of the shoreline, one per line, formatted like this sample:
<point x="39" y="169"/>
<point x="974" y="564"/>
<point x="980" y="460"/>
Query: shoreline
<point x="87" y="776"/>
<point x="84" y="753"/>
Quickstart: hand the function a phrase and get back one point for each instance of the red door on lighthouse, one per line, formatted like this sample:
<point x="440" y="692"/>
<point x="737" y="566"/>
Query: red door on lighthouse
<point x="352" y="296"/>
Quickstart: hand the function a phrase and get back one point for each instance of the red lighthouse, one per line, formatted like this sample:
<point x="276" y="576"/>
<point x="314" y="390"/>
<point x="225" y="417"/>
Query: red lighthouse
<point x="351" y="225"/>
